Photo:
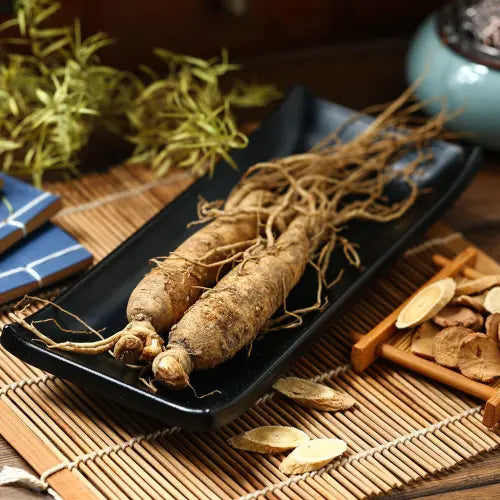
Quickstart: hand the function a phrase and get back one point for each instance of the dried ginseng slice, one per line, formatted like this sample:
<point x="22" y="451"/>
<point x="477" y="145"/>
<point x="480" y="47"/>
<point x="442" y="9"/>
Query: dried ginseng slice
<point x="422" y="341"/>
<point x="447" y="344"/>
<point x="312" y="455"/>
<point x="492" y="300"/>
<point x="478" y="285"/>
<point x="313" y="395"/>
<point x="493" y="326"/>
<point x="458" y="316"/>
<point x="426" y="303"/>
<point x="479" y="358"/>
<point x="475" y="302"/>
<point x="269" y="439"/>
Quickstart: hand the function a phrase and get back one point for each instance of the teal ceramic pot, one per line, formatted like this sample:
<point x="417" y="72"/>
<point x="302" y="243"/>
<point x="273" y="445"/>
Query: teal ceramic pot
<point x="462" y="71"/>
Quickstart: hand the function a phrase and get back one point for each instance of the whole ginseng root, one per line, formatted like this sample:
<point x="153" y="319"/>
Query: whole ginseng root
<point x="229" y="317"/>
<point x="166" y="292"/>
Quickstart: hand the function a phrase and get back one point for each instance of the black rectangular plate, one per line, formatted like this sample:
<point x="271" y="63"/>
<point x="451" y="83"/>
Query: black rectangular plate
<point x="100" y="297"/>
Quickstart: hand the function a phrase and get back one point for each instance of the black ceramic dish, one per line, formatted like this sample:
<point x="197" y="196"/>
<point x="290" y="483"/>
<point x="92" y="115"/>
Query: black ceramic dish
<point x="100" y="296"/>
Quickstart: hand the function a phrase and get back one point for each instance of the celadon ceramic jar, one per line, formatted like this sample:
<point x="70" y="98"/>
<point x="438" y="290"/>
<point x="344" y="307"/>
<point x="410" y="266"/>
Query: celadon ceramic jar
<point x="453" y="55"/>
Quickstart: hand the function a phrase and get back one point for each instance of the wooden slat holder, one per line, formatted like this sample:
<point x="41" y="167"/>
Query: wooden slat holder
<point x="372" y="345"/>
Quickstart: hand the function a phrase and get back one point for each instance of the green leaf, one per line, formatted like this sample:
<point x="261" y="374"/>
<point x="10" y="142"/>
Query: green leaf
<point x="43" y="96"/>
<point x="7" y="145"/>
<point x="10" y="23"/>
<point x="54" y="47"/>
<point x="45" y="13"/>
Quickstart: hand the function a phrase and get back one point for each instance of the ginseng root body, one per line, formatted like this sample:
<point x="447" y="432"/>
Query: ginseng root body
<point x="229" y="317"/>
<point x="165" y="293"/>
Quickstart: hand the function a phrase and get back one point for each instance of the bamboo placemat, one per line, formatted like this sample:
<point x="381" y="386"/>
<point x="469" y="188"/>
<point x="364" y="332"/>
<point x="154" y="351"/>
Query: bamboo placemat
<point x="403" y="428"/>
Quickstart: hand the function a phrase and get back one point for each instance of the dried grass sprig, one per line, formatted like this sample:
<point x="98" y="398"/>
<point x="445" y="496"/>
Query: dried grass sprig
<point x="186" y="120"/>
<point x="52" y="95"/>
<point x="55" y="93"/>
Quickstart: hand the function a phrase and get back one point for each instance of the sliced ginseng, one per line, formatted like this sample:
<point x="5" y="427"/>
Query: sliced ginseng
<point x="493" y="326"/>
<point x="492" y="300"/>
<point x="426" y="303"/>
<point x="478" y="285"/>
<point x="312" y="455"/>
<point x="458" y="316"/>
<point x="422" y="342"/>
<point x="479" y="358"/>
<point x="475" y="302"/>
<point x="269" y="439"/>
<point x="447" y="344"/>
<point x="313" y="395"/>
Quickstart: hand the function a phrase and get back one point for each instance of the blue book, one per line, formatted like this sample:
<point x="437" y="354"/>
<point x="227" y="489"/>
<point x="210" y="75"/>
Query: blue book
<point x="23" y="208"/>
<point x="44" y="257"/>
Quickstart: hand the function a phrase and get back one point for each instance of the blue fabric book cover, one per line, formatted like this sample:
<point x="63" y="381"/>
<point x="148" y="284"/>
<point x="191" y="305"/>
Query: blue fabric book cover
<point x="44" y="257"/>
<point x="23" y="208"/>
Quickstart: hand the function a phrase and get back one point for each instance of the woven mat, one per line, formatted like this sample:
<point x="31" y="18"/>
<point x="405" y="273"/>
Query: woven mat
<point x="403" y="428"/>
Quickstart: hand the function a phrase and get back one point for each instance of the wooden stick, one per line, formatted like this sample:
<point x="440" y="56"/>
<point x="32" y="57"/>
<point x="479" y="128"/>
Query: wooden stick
<point x="363" y="352"/>
<point x="443" y="375"/>
<point x="492" y="410"/>
<point x="467" y="271"/>
<point x="433" y="370"/>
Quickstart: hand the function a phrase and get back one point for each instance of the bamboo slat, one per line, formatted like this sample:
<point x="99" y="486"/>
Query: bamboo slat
<point x="403" y="428"/>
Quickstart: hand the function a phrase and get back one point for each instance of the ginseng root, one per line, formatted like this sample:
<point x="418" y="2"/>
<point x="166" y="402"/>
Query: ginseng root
<point x="168" y="290"/>
<point x="228" y="317"/>
<point x="165" y="293"/>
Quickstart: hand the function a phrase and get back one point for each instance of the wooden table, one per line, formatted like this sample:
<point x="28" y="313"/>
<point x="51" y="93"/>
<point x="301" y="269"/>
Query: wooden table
<point x="476" y="214"/>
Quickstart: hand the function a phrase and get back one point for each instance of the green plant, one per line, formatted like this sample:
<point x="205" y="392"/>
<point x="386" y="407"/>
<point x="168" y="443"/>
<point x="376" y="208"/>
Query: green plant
<point x="55" y="92"/>
<point x="185" y="119"/>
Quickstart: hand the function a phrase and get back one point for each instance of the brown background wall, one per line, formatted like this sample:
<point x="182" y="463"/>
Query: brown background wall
<point x="201" y="27"/>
